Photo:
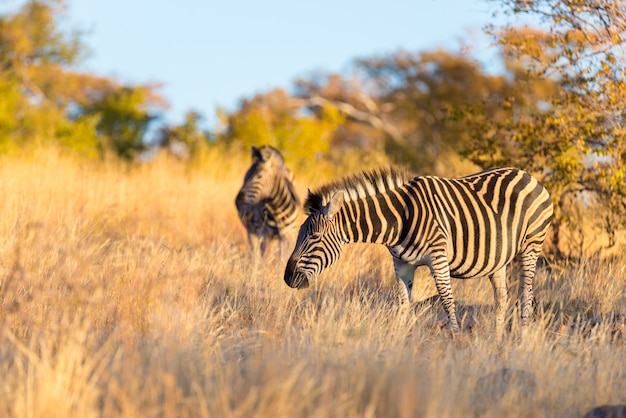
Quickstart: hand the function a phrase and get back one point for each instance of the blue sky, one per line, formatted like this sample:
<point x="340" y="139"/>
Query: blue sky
<point x="210" y="54"/>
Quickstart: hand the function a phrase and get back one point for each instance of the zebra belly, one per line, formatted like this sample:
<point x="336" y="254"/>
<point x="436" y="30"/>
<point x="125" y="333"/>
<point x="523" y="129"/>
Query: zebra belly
<point x="424" y="257"/>
<point x="259" y="221"/>
<point x="481" y="264"/>
<point x="475" y="273"/>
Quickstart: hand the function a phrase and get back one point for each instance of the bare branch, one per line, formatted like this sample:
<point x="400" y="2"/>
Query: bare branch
<point x="365" y="117"/>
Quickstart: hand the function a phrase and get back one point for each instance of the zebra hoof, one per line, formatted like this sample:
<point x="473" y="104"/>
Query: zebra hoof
<point x="449" y="325"/>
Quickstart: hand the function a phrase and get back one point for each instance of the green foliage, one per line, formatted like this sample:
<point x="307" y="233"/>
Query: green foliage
<point x="42" y="124"/>
<point x="123" y="120"/>
<point x="273" y="119"/>
<point x="9" y="106"/>
<point x="80" y="136"/>
<point x="186" y="140"/>
<point x="42" y="100"/>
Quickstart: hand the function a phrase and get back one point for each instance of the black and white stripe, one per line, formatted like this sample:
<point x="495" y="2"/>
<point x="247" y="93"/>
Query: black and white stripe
<point x="267" y="203"/>
<point x="465" y="228"/>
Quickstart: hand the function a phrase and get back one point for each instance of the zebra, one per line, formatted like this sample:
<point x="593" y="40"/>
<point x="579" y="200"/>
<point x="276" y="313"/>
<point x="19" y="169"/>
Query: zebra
<point x="466" y="227"/>
<point x="267" y="203"/>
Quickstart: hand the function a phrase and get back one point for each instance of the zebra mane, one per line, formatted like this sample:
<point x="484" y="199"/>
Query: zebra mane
<point x="357" y="186"/>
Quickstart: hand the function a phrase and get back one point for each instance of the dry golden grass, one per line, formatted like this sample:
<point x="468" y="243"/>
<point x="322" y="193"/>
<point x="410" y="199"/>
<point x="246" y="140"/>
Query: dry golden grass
<point x="129" y="292"/>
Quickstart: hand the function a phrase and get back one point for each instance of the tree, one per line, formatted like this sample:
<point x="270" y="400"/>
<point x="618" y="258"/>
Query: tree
<point x="44" y="100"/>
<point x="274" y="119"/>
<point x="417" y="107"/>
<point x="363" y="127"/>
<point x="186" y="140"/>
<point x="576" y="140"/>
<point x="123" y="119"/>
<point x="432" y="95"/>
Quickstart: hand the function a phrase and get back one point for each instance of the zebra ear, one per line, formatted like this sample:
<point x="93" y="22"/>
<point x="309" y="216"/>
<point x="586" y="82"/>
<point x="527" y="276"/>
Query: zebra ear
<point x="336" y="201"/>
<point x="255" y="153"/>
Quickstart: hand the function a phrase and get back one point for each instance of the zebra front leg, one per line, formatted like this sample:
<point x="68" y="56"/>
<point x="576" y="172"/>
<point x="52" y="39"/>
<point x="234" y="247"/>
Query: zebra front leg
<point x="255" y="246"/>
<point x="282" y="242"/>
<point x="501" y="297"/>
<point x="441" y="273"/>
<point x="263" y="248"/>
<point x="285" y="244"/>
<point x="405" y="274"/>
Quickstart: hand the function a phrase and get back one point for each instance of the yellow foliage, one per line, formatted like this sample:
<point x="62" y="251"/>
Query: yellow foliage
<point x="271" y="119"/>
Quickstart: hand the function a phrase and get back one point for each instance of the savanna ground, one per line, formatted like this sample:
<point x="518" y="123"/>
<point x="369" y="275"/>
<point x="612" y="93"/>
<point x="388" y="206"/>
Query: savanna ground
<point x="129" y="292"/>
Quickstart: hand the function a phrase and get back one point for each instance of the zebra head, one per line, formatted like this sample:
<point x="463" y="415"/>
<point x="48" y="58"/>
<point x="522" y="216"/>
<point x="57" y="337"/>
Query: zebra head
<point x="267" y="163"/>
<point x="319" y="241"/>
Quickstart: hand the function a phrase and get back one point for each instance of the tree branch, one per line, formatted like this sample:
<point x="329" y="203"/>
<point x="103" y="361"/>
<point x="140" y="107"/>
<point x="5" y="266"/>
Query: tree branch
<point x="365" y="117"/>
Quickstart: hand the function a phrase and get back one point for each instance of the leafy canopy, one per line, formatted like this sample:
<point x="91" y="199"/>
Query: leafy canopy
<point x="44" y="100"/>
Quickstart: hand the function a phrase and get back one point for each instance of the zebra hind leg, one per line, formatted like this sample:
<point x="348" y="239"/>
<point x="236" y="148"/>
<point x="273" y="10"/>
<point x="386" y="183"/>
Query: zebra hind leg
<point x="441" y="273"/>
<point x="404" y="282"/>
<point x="501" y="297"/>
<point x="402" y="292"/>
<point x="529" y="265"/>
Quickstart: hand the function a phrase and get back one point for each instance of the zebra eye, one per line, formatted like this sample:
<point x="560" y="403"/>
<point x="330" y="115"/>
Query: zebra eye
<point x="315" y="235"/>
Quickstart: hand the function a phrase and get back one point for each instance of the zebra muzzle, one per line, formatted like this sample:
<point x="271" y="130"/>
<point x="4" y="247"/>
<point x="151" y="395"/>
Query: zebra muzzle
<point x="295" y="279"/>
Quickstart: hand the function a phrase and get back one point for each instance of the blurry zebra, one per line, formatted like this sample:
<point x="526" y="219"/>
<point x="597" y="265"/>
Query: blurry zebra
<point x="267" y="203"/>
<point x="464" y="228"/>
